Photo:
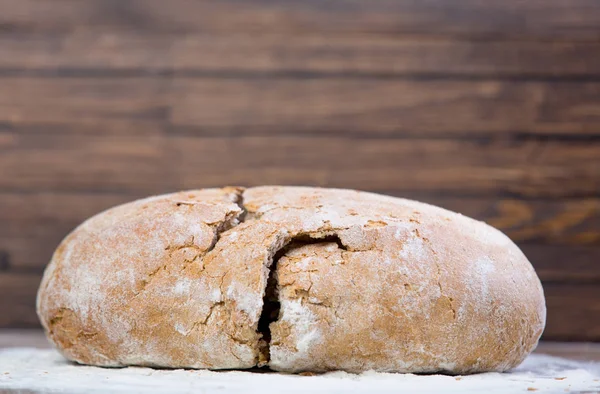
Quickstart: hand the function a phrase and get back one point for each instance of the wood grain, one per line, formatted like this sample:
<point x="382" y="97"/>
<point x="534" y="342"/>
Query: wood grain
<point x="519" y="20"/>
<point x="155" y="162"/>
<point x="532" y="168"/>
<point x="568" y="316"/>
<point x="565" y="264"/>
<point x="101" y="162"/>
<point x="306" y="54"/>
<point x="418" y="108"/>
<point x="17" y="300"/>
<point x="257" y="106"/>
<point x="573" y="312"/>
<point x="82" y="100"/>
<point x="568" y="222"/>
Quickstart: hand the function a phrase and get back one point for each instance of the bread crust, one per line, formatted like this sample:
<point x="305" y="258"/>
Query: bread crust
<point x="364" y="282"/>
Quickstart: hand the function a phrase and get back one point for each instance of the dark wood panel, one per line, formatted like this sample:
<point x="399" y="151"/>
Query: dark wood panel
<point x="532" y="168"/>
<point x="134" y="164"/>
<point x="389" y="56"/>
<point x="294" y="55"/>
<point x="573" y="309"/>
<point x="565" y="264"/>
<point x="388" y="107"/>
<point x="8" y="140"/>
<point x="105" y="162"/>
<point x="370" y="107"/>
<point x="533" y="19"/>
<point x="573" y="312"/>
<point x="574" y="222"/>
<point x="17" y="300"/>
<point x="83" y="100"/>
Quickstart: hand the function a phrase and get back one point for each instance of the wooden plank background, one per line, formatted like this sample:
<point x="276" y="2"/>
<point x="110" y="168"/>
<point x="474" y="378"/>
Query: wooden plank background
<point x="491" y="109"/>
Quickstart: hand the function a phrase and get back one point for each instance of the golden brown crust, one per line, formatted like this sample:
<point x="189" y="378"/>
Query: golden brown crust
<point x="177" y="281"/>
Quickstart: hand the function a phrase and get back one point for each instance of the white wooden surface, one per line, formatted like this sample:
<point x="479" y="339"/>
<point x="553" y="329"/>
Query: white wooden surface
<point x="44" y="371"/>
<point x="28" y="364"/>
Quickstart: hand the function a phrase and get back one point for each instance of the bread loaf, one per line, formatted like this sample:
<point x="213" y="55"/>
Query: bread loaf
<point x="293" y="278"/>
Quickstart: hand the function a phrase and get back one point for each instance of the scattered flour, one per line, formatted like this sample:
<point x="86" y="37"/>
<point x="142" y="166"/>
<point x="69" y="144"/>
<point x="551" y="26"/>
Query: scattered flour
<point x="45" y="371"/>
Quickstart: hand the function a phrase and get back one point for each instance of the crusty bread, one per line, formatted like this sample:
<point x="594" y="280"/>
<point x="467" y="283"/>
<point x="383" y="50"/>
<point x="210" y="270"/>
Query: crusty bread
<point x="360" y="282"/>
